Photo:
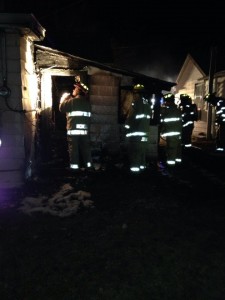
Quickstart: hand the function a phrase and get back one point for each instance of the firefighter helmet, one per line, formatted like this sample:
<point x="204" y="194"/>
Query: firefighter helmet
<point x="211" y="98"/>
<point x="169" y="97"/>
<point x="139" y="87"/>
<point x="185" y="97"/>
<point x="82" y="87"/>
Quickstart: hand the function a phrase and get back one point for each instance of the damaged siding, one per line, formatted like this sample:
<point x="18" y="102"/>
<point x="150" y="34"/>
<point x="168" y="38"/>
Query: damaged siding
<point x="29" y="100"/>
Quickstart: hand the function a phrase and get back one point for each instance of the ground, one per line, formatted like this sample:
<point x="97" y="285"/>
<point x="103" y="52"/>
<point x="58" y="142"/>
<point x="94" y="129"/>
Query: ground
<point x="144" y="237"/>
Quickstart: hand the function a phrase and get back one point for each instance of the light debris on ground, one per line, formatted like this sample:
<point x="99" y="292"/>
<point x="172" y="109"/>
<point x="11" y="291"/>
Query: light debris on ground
<point x="64" y="203"/>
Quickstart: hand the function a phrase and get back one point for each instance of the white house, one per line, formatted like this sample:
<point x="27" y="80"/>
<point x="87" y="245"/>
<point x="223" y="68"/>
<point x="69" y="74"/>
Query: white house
<point x="193" y="81"/>
<point x="32" y="79"/>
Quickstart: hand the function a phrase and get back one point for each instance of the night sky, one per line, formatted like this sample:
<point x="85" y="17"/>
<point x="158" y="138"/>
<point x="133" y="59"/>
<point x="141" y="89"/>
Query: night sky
<point x="151" y="37"/>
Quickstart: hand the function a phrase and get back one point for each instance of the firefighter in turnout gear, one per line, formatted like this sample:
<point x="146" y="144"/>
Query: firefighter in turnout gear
<point x="78" y="114"/>
<point x="137" y="129"/>
<point x="220" y="122"/>
<point x="219" y="104"/>
<point x="189" y="116"/>
<point x="171" y="129"/>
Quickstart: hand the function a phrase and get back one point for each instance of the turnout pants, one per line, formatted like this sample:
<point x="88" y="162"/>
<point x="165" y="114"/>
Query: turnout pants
<point x="79" y="151"/>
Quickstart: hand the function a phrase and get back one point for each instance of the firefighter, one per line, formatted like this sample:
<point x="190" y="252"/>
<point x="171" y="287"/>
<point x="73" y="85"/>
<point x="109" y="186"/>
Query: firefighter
<point x="171" y="130"/>
<point x="78" y="114"/>
<point x="220" y="122"/>
<point x="219" y="104"/>
<point x="189" y="116"/>
<point x="137" y="129"/>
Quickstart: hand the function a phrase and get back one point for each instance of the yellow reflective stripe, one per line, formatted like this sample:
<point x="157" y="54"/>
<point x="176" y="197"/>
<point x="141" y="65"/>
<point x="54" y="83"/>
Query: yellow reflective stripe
<point x="77" y="132"/>
<point x="137" y="133"/>
<point x="171" y="119"/>
<point x="79" y="113"/>
<point x="172" y="133"/>
<point x="81" y="126"/>
<point x="142" y="116"/>
<point x="144" y="139"/>
<point x="74" y="166"/>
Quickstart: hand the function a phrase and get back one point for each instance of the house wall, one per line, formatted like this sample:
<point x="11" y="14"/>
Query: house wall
<point x="220" y="85"/>
<point x="104" y="98"/>
<point x="186" y="82"/>
<point x="18" y="111"/>
<point x="29" y="101"/>
<point x="12" y="149"/>
<point x="189" y="76"/>
<point x="46" y="125"/>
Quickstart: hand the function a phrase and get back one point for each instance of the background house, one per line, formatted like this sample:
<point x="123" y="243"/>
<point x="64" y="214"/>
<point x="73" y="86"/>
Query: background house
<point x="32" y="80"/>
<point x="195" y="81"/>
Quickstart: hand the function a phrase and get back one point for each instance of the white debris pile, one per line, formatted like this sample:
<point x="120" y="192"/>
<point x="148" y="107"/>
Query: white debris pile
<point x="64" y="203"/>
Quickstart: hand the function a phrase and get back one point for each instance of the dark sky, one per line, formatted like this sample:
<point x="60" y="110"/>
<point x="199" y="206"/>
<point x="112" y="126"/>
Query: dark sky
<point x="151" y="37"/>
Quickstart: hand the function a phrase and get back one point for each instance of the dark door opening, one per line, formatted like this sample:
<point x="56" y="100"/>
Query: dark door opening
<point x="60" y="85"/>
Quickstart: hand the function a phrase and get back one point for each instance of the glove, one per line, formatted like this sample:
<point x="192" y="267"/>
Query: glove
<point x="65" y="96"/>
